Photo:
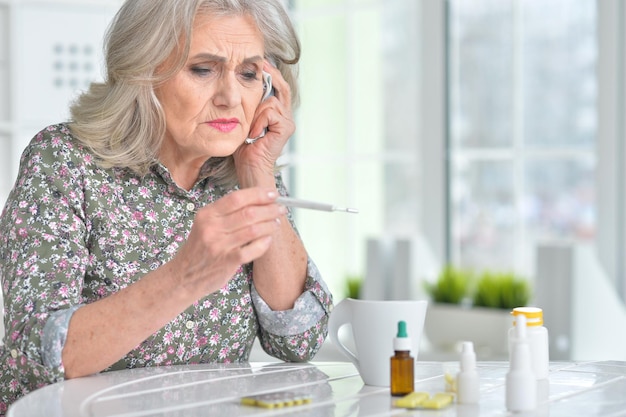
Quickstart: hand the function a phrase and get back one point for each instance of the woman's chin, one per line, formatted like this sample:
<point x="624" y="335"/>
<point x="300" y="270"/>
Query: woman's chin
<point x="227" y="148"/>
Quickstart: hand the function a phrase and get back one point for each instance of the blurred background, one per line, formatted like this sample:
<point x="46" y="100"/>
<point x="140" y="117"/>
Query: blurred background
<point x="487" y="135"/>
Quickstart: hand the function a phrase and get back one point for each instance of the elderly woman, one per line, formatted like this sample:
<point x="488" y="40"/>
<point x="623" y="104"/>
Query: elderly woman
<point x="146" y="230"/>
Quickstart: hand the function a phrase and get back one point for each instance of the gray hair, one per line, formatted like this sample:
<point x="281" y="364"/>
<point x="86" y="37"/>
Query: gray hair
<point x="121" y="120"/>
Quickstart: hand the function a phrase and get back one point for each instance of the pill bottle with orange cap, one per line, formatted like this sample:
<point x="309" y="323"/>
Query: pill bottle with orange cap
<point x="537" y="336"/>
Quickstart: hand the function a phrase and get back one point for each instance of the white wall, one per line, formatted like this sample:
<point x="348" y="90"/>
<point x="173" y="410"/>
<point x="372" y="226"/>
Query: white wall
<point x="584" y="315"/>
<point x="49" y="51"/>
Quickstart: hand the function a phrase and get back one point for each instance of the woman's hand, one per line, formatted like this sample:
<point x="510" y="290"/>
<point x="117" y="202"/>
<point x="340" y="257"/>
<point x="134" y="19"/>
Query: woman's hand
<point x="234" y="230"/>
<point x="279" y="274"/>
<point x="255" y="162"/>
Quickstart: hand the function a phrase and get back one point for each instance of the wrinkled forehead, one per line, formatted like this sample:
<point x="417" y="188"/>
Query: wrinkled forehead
<point x="219" y="25"/>
<point x="226" y="36"/>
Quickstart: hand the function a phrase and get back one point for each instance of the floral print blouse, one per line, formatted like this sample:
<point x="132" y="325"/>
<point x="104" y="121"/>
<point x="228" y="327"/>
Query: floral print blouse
<point x="72" y="233"/>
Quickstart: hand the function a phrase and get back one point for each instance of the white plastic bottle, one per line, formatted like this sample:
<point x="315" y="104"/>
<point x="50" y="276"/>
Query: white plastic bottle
<point x="521" y="384"/>
<point x="537" y="339"/>
<point x="467" y="380"/>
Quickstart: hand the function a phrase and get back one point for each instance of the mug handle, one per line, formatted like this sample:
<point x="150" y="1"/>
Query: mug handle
<point x="340" y="316"/>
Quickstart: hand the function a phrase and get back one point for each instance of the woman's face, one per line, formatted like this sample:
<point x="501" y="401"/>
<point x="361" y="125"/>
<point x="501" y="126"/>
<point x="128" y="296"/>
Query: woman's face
<point x="210" y="103"/>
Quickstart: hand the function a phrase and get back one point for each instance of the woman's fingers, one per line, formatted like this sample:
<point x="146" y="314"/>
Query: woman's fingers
<point x="232" y="241"/>
<point x="234" y="230"/>
<point x="275" y="114"/>
<point x="282" y="91"/>
<point x="240" y="199"/>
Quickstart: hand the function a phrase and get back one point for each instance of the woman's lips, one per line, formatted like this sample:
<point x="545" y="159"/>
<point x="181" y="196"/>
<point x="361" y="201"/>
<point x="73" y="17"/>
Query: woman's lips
<point x="224" y="125"/>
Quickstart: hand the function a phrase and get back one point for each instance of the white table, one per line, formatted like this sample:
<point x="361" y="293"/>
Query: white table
<point x="575" y="389"/>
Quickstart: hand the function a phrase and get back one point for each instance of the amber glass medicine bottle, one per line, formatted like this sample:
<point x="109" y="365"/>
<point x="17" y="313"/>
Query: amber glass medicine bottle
<point x="402" y="363"/>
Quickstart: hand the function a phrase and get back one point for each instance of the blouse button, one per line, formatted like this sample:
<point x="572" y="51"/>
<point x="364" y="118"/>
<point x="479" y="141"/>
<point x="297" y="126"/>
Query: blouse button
<point x="189" y="324"/>
<point x="191" y="206"/>
<point x="13" y="353"/>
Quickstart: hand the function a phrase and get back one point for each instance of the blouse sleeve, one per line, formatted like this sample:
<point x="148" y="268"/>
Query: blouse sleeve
<point x="297" y="334"/>
<point x="43" y="255"/>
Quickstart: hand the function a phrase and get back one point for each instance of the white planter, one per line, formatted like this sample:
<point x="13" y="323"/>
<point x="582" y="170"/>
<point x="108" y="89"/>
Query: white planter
<point x="446" y="325"/>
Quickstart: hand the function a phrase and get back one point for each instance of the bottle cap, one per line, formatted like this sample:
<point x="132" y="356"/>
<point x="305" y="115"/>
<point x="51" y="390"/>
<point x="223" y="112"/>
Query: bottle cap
<point x="468" y="356"/>
<point x="534" y="315"/>
<point x="402" y="340"/>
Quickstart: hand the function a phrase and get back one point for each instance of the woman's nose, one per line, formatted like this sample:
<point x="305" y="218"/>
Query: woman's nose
<point x="227" y="92"/>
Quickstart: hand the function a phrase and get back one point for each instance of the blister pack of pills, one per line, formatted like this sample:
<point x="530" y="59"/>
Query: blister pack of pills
<point x="277" y="399"/>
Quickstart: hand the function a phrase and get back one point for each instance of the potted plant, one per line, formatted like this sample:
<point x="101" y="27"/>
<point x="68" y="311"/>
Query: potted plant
<point x="501" y="290"/>
<point x="354" y="283"/>
<point x="452" y="286"/>
<point x="473" y="307"/>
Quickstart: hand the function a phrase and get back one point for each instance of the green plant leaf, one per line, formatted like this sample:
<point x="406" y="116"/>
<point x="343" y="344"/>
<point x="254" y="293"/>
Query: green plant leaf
<point x="501" y="290"/>
<point x="452" y="286"/>
<point x="353" y="286"/>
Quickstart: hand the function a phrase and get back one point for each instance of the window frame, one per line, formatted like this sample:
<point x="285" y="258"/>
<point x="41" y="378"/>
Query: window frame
<point x="611" y="150"/>
<point x="434" y="184"/>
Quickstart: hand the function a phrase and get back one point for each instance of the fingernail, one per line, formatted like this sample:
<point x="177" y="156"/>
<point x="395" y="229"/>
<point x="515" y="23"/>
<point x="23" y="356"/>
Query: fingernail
<point x="272" y="194"/>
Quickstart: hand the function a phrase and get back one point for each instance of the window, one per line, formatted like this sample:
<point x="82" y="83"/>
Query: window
<point x="519" y="108"/>
<point x="522" y="114"/>
<point x="355" y="143"/>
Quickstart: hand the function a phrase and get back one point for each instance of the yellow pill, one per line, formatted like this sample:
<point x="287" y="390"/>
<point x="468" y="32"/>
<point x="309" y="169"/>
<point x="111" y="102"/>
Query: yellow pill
<point x="450" y="382"/>
<point x="439" y="400"/>
<point x="412" y="400"/>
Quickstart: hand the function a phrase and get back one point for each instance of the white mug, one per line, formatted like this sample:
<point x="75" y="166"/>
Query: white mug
<point x="374" y="325"/>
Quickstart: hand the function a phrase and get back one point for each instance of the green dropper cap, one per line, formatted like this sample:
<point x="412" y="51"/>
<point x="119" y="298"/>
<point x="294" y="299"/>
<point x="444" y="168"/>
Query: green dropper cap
<point x="402" y="329"/>
<point x="402" y="342"/>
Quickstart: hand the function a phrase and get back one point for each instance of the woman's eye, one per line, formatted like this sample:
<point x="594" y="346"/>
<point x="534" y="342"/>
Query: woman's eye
<point x="202" y="71"/>
<point x="249" y="75"/>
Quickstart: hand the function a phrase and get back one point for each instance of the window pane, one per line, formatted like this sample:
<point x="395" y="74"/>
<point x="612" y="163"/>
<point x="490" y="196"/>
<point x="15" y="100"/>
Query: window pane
<point x="483" y="213"/>
<point x="560" y="201"/>
<point x="322" y="114"/>
<point x="481" y="73"/>
<point x="364" y="82"/>
<point x="559" y="72"/>
<point x="402" y="208"/>
<point x="356" y="141"/>
<point x="536" y="59"/>
<point x="400" y="74"/>
<point x="306" y="5"/>
<point x="336" y="241"/>
<point x="326" y="235"/>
